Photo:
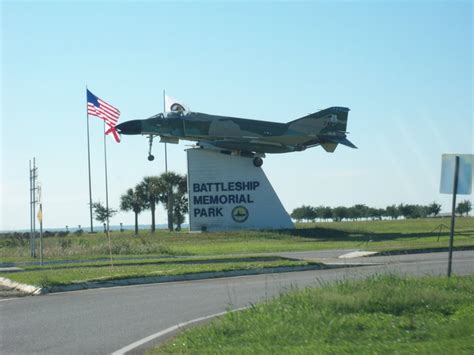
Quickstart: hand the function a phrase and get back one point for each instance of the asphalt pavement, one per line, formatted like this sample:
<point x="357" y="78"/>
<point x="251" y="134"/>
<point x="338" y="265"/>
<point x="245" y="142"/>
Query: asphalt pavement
<point x="101" y="321"/>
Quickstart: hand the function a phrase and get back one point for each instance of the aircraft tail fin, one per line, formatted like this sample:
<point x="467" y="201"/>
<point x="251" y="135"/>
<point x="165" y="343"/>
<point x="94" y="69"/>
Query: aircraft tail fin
<point x="329" y="120"/>
<point x="329" y="125"/>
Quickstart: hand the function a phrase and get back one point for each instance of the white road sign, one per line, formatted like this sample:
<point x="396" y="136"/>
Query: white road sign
<point x="464" y="176"/>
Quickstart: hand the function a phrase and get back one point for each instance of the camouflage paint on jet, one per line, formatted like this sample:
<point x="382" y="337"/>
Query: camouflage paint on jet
<point x="245" y="136"/>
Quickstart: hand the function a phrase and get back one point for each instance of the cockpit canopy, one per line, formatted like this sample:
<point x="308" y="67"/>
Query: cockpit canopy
<point x="170" y="115"/>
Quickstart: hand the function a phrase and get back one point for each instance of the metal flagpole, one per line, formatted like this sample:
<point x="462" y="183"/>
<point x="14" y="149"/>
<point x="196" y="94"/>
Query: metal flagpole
<point x="170" y="211"/>
<point x="89" y="164"/>
<point x="107" y="196"/>
<point x="166" y="150"/>
<point x="106" y="181"/>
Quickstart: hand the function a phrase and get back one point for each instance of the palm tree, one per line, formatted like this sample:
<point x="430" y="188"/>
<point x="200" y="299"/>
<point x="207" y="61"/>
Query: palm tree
<point x="180" y="203"/>
<point x="174" y="197"/>
<point x="150" y="192"/>
<point x="131" y="201"/>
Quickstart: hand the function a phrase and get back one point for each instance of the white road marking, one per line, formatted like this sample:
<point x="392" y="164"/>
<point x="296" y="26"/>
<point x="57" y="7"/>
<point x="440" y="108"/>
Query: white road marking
<point x="357" y="254"/>
<point x="151" y="337"/>
<point x="12" y="298"/>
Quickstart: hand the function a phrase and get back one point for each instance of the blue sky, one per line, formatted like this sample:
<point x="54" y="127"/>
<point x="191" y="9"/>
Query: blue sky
<point x="404" y="69"/>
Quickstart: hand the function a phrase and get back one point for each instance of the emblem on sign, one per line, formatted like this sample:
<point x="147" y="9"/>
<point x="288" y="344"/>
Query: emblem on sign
<point x="240" y="214"/>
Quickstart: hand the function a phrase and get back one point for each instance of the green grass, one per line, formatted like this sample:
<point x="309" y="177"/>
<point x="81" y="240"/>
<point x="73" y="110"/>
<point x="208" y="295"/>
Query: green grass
<point x="137" y="261"/>
<point x="60" y="275"/>
<point x="164" y="253"/>
<point x="371" y="235"/>
<point x="383" y="314"/>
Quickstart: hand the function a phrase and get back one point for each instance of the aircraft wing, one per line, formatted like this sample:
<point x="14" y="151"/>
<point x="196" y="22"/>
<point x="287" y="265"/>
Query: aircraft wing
<point x="249" y="144"/>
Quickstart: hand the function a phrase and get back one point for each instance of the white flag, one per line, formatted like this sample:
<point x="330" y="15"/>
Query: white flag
<point x="173" y="105"/>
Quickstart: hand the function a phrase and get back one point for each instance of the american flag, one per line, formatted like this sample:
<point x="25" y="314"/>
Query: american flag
<point x="99" y="108"/>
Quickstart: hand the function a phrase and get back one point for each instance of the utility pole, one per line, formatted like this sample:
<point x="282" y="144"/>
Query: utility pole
<point x="33" y="201"/>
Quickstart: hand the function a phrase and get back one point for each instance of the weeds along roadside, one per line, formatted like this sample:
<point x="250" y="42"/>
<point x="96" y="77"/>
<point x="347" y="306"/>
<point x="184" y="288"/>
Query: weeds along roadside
<point x="387" y="313"/>
<point x="372" y="235"/>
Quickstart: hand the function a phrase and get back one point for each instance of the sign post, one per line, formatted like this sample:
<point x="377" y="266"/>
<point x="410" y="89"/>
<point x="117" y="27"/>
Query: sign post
<point x="40" y="219"/>
<point x="456" y="178"/>
<point x="453" y="214"/>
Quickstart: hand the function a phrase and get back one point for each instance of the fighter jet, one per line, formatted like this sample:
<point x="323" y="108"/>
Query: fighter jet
<point x="245" y="137"/>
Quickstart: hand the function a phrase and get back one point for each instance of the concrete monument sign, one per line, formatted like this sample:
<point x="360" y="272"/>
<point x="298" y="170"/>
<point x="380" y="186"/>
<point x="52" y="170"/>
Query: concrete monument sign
<point x="228" y="192"/>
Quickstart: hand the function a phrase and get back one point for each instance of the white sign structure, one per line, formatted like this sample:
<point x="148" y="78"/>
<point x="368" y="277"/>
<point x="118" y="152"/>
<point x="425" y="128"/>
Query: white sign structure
<point x="228" y="192"/>
<point x="464" y="173"/>
<point x="456" y="178"/>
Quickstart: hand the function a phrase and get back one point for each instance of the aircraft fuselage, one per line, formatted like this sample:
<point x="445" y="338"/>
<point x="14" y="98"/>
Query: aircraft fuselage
<point x="326" y="127"/>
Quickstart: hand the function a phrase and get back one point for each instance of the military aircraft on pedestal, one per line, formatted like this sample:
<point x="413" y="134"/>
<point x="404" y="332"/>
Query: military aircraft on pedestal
<point x="245" y="137"/>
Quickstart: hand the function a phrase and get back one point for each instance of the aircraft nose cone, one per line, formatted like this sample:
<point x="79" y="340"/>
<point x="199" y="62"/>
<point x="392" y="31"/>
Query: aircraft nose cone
<point x="130" y="127"/>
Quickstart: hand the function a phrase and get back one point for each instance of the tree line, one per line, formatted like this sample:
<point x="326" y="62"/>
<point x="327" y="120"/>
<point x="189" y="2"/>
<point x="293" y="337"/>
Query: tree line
<point x="361" y="211"/>
<point x="169" y="189"/>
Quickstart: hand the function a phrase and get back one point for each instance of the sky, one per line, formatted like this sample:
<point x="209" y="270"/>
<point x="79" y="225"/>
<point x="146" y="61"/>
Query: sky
<point x="403" y="68"/>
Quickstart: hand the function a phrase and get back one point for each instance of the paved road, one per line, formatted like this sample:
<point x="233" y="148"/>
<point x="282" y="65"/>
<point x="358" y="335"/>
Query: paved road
<point x="104" y="320"/>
